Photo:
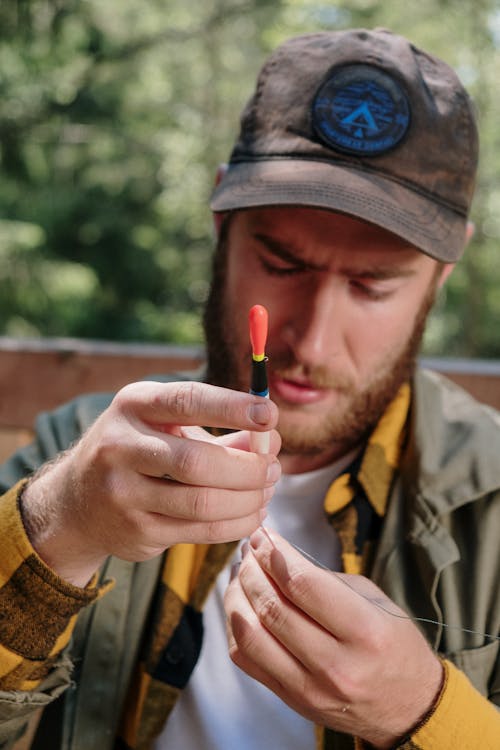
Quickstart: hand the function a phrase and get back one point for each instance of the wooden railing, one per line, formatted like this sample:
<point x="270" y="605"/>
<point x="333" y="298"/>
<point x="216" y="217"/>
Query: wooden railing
<point x="39" y="374"/>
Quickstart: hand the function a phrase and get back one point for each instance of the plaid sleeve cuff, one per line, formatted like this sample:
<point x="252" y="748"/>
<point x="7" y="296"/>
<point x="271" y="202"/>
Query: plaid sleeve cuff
<point x="38" y="609"/>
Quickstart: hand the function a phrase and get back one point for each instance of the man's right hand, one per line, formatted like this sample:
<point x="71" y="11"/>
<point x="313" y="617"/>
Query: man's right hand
<point x="145" y="476"/>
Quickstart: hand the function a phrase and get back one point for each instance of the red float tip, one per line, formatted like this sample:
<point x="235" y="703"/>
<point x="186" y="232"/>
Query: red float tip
<point x="257" y="319"/>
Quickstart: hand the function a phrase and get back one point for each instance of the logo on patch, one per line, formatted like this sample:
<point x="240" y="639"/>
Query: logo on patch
<point x="361" y="110"/>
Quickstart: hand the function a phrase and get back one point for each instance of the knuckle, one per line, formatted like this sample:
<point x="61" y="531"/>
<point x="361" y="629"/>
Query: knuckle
<point x="234" y="653"/>
<point x="333" y="678"/>
<point x="239" y="652"/>
<point x="270" y="613"/>
<point x="125" y="395"/>
<point x="377" y="637"/>
<point x="182" y="399"/>
<point x="201" y="503"/>
<point x="228" y="405"/>
<point x="136" y="526"/>
<point x="245" y="645"/>
<point x="113" y="491"/>
<point x="298" y="584"/>
<point x="215" y="531"/>
<point x="188" y="461"/>
<point x="348" y="684"/>
<point x="104" y="451"/>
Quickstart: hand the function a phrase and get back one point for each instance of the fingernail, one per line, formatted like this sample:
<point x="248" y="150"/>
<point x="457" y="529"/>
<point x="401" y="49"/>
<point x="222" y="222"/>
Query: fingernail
<point x="273" y="471"/>
<point x="259" y="413"/>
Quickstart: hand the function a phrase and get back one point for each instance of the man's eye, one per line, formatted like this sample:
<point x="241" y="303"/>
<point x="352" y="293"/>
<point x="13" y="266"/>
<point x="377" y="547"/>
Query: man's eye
<point x="369" y="290"/>
<point x="280" y="268"/>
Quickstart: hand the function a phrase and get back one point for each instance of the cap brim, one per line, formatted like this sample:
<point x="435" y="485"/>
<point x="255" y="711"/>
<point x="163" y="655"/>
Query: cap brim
<point x="433" y="228"/>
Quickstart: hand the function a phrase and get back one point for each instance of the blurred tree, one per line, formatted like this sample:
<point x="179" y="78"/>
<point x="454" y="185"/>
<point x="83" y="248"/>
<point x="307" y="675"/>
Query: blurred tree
<point x="105" y="129"/>
<point x="113" y="117"/>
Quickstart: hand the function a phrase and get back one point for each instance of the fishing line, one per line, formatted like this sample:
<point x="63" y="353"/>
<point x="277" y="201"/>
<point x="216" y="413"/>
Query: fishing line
<point x="380" y="606"/>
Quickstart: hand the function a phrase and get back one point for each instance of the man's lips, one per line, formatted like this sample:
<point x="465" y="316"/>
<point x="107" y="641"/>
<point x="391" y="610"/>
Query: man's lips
<point x="295" y="390"/>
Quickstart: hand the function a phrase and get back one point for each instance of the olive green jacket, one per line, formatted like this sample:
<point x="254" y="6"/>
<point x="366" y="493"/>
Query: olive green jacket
<point x="438" y="557"/>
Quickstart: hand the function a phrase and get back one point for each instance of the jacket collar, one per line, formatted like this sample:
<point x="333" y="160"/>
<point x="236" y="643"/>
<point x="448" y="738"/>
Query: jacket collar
<point x="452" y="455"/>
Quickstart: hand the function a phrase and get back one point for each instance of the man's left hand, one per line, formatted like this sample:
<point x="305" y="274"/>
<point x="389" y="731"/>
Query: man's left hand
<point x="327" y="644"/>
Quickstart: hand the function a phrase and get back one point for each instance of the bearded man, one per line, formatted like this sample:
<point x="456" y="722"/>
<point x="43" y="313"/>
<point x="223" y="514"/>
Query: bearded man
<point x="365" y="612"/>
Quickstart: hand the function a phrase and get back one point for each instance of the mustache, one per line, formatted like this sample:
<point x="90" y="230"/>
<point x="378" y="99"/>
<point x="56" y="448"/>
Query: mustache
<point x="286" y="367"/>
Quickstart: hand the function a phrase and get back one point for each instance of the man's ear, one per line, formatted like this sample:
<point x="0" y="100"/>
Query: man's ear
<point x="218" y="216"/>
<point x="469" y="231"/>
<point x="445" y="272"/>
<point x="448" y="267"/>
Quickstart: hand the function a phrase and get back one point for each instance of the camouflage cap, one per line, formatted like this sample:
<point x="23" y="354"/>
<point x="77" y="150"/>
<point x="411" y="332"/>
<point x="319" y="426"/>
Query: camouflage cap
<point x="364" y="123"/>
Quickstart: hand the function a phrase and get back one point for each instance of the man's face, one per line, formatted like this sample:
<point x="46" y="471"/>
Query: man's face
<point x="347" y="303"/>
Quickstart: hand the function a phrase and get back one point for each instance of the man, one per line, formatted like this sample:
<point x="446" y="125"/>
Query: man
<point x="343" y="210"/>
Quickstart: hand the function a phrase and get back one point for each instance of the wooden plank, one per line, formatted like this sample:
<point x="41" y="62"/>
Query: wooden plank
<point x="38" y="375"/>
<point x="485" y="388"/>
<point x="480" y="377"/>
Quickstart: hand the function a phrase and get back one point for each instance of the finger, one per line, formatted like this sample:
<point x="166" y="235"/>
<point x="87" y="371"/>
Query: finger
<point x="193" y="432"/>
<point x="175" y="500"/>
<point x="242" y="441"/>
<point x="328" y="598"/>
<point x="202" y="463"/>
<point x="254" y="649"/>
<point x="312" y="645"/>
<point x="160" y="530"/>
<point x="192" y="403"/>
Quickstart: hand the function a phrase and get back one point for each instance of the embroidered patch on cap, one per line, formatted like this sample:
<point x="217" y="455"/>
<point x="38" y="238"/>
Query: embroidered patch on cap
<point x="362" y="110"/>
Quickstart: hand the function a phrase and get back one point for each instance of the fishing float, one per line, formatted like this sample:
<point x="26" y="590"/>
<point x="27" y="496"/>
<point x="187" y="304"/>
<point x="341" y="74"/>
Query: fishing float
<point x="258" y="326"/>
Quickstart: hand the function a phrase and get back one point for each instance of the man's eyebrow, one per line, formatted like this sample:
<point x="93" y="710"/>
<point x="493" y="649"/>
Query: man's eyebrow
<point x="282" y="251"/>
<point x="379" y="273"/>
<point x="376" y="273"/>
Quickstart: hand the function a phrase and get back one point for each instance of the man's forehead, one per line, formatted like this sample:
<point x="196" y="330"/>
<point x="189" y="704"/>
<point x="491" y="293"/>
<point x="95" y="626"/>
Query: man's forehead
<point x="309" y="232"/>
<point x="314" y="219"/>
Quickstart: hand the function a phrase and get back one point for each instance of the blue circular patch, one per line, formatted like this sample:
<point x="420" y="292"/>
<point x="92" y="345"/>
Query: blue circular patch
<point x="361" y="110"/>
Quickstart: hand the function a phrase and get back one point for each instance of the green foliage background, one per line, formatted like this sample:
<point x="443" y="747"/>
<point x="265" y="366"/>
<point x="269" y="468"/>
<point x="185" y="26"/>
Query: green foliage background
<point x="113" y="117"/>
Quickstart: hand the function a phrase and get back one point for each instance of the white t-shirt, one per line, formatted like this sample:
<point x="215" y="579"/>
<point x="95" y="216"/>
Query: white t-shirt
<point x="222" y="708"/>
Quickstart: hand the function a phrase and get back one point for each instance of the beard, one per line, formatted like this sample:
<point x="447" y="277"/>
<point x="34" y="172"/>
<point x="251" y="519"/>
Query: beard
<point x="358" y="409"/>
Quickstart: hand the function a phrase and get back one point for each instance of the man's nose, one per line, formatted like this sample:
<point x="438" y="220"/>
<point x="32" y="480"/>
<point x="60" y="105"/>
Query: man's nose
<point x="313" y="329"/>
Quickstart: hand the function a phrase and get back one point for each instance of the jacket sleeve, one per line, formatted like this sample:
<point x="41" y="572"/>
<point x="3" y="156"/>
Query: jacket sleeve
<point x="17" y="708"/>
<point x="54" y="432"/>
<point x="38" y="610"/>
